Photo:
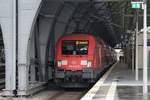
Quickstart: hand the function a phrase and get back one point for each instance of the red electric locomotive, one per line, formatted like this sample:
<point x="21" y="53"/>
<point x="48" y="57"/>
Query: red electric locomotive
<point x="81" y="58"/>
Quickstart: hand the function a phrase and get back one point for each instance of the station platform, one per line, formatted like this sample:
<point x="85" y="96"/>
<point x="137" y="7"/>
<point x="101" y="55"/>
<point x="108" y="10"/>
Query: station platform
<point x="118" y="83"/>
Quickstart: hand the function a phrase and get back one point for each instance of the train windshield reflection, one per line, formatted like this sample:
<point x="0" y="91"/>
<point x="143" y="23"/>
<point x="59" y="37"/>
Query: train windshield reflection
<point x="75" y="47"/>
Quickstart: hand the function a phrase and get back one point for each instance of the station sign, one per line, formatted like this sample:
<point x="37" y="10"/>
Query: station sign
<point x="136" y="4"/>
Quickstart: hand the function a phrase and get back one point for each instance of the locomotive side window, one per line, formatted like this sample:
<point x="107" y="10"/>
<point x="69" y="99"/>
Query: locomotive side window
<point x="75" y="47"/>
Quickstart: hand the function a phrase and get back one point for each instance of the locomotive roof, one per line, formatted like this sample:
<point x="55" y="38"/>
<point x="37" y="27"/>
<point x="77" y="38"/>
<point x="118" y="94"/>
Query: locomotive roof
<point x="80" y="35"/>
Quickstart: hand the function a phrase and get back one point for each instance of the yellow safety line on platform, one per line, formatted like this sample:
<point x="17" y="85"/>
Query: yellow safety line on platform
<point x="112" y="91"/>
<point x="92" y="92"/>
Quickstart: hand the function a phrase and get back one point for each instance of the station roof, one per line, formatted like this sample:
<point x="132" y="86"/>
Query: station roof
<point x="108" y="19"/>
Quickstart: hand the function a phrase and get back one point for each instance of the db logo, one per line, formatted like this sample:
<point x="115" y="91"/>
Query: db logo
<point x="74" y="62"/>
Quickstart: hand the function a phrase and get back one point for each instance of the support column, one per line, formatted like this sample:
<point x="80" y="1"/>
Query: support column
<point x="27" y="14"/>
<point x="145" y="69"/>
<point x="8" y="24"/>
<point x="136" y="51"/>
<point x="133" y="53"/>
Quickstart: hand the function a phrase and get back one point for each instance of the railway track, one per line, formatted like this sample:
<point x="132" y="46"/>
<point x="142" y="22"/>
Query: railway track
<point x="63" y="94"/>
<point x="54" y="94"/>
<point x="67" y="94"/>
<point x="57" y="93"/>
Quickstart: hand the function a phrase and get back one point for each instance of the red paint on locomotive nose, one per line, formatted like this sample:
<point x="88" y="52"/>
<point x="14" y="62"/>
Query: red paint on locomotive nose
<point x="84" y="53"/>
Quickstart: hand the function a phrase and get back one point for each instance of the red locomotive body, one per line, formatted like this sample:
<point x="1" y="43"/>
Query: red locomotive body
<point x="81" y="57"/>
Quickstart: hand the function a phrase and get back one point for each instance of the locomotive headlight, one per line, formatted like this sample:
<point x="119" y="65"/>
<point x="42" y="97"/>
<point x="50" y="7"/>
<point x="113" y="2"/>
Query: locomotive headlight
<point x="64" y="62"/>
<point x="84" y="62"/>
<point x="89" y="64"/>
<point x="59" y="63"/>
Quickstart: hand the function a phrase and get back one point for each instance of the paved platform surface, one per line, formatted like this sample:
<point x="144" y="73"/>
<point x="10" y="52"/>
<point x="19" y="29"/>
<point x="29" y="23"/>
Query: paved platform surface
<point x="52" y="94"/>
<point x="118" y="83"/>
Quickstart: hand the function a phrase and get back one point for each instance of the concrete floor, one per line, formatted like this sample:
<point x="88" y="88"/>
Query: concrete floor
<point x="124" y="76"/>
<point x="120" y="84"/>
<point x="125" y="88"/>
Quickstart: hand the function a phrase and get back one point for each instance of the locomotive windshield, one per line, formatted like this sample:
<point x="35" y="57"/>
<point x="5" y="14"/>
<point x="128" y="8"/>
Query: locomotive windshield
<point x="75" y="47"/>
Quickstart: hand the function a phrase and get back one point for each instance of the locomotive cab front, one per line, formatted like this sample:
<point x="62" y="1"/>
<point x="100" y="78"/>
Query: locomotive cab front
<point x="74" y="58"/>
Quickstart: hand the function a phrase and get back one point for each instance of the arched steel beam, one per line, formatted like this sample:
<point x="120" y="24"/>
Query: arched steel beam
<point x="84" y="17"/>
<point x="103" y="12"/>
<point x="70" y="19"/>
<point x="51" y="37"/>
<point x="86" y="26"/>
